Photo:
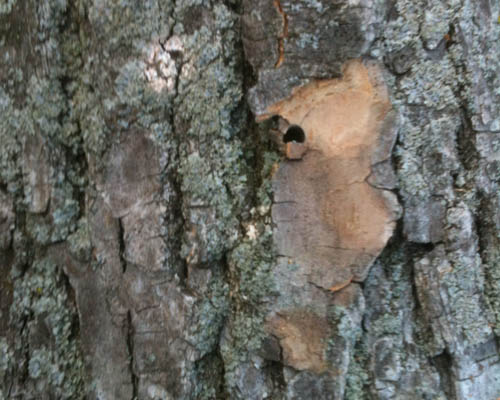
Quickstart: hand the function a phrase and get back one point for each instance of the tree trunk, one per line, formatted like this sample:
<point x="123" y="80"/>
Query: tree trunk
<point x="249" y="199"/>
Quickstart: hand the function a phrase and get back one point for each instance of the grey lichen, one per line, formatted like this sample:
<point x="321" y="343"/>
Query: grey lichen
<point x="358" y="378"/>
<point x="6" y="6"/>
<point x="41" y="298"/>
<point x="392" y="351"/>
<point x="251" y="280"/>
<point x="431" y="162"/>
<point x="80" y="243"/>
<point x="13" y="120"/>
<point x="252" y="288"/>
<point x="6" y="365"/>
<point x="60" y="222"/>
<point x="46" y="105"/>
<point x="215" y="157"/>
<point x="211" y="313"/>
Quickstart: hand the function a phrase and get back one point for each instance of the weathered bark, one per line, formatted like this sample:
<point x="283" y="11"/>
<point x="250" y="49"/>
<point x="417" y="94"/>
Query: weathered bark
<point x="249" y="199"/>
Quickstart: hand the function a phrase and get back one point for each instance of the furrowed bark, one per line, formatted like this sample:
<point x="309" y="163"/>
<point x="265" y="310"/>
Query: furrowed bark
<point x="249" y="199"/>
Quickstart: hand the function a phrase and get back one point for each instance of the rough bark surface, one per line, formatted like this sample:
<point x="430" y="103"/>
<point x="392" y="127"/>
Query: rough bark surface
<point x="160" y="240"/>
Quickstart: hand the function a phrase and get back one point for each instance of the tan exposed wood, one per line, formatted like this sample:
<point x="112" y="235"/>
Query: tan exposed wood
<point x="327" y="215"/>
<point x="328" y="218"/>
<point x="301" y="334"/>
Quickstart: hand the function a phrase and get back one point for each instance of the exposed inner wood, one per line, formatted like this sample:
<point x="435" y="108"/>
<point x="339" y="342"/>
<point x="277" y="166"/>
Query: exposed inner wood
<point x="301" y="335"/>
<point x="328" y="219"/>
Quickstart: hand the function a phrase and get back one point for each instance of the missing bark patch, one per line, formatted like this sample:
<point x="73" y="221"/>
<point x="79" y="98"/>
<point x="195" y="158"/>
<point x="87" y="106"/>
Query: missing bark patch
<point x="336" y="223"/>
<point x="330" y="223"/>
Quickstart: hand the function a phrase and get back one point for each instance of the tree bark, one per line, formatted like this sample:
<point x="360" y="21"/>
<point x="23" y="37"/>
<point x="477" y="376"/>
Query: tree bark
<point x="249" y="199"/>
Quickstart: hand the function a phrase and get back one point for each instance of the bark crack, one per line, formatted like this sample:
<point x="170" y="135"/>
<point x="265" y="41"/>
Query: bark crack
<point x="283" y="36"/>
<point x="121" y="239"/>
<point x="130" y="347"/>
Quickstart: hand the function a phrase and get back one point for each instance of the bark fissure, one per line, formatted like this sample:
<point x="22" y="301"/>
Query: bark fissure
<point x="122" y="248"/>
<point x="130" y="347"/>
<point x="284" y="34"/>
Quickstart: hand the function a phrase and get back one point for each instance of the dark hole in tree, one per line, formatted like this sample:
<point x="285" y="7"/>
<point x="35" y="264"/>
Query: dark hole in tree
<point x="294" y="134"/>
